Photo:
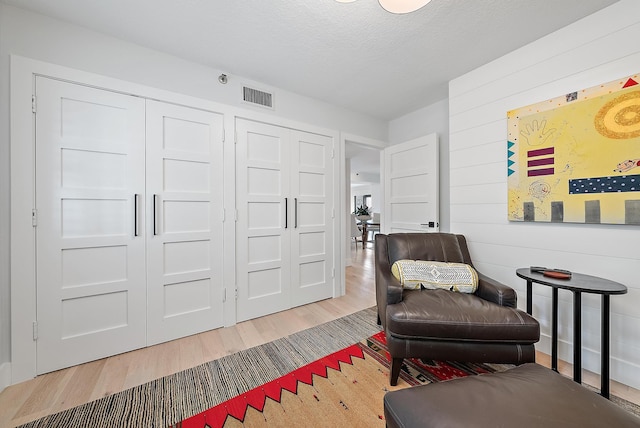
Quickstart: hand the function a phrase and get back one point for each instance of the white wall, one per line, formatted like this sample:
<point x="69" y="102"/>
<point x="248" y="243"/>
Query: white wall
<point x="376" y="197"/>
<point x="38" y="37"/>
<point x="372" y="189"/>
<point x="597" y="49"/>
<point x="430" y="119"/>
<point x="4" y="198"/>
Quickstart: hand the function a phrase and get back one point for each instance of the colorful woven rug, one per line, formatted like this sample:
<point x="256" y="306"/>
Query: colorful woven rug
<point x="335" y="374"/>
<point x="342" y="389"/>
<point x="165" y="401"/>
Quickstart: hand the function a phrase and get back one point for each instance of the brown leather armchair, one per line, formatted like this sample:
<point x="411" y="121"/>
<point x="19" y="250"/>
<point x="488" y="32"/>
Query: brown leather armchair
<point x="485" y="326"/>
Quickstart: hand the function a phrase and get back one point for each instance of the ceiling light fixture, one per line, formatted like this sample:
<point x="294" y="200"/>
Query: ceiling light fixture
<point x="402" y="6"/>
<point x="397" y="6"/>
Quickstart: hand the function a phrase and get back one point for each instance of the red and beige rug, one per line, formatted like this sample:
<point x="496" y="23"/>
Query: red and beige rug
<point x="344" y="388"/>
<point x="335" y="374"/>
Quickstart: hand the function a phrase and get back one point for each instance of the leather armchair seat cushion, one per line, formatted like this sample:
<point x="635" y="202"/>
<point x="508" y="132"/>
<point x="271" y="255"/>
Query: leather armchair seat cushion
<point x="526" y="396"/>
<point x="446" y="315"/>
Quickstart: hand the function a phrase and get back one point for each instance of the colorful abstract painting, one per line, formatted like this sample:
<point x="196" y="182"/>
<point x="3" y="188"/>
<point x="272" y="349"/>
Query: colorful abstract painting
<point x="576" y="158"/>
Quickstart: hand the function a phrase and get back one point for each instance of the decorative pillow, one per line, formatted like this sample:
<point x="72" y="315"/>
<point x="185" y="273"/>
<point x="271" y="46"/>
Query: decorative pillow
<point x="414" y="274"/>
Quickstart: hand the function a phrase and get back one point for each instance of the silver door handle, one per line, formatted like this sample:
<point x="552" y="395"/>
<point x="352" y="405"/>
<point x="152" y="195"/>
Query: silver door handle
<point x="295" y="209"/>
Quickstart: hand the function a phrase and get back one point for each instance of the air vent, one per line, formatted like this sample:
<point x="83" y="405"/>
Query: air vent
<point x="255" y="96"/>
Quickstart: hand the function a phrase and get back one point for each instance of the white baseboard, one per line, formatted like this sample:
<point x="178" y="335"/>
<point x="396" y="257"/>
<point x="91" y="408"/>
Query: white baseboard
<point x="5" y="375"/>
<point x="621" y="371"/>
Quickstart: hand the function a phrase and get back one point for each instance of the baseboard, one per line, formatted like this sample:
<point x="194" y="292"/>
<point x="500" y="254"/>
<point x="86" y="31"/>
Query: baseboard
<point x="621" y="371"/>
<point x="5" y="375"/>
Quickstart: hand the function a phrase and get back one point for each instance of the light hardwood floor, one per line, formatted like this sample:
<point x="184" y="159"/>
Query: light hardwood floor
<point x="63" y="389"/>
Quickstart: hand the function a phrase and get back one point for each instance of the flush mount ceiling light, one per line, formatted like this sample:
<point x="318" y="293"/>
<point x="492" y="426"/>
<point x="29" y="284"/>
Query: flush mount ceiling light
<point x="397" y="6"/>
<point x="402" y="6"/>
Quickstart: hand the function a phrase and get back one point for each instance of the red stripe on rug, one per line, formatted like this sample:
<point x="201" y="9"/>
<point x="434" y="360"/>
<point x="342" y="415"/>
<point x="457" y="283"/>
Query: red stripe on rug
<point x="237" y="407"/>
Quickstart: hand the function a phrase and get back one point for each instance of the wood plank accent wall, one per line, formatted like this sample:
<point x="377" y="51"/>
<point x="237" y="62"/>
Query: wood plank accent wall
<point x="597" y="49"/>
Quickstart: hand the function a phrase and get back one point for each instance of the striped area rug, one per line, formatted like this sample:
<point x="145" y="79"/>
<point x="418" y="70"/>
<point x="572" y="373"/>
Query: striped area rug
<point x="173" y="398"/>
<point x="343" y="389"/>
<point x="335" y="374"/>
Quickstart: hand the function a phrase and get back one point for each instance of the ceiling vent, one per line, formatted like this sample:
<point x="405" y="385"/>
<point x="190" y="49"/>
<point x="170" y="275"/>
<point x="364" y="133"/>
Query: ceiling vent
<point x="254" y="96"/>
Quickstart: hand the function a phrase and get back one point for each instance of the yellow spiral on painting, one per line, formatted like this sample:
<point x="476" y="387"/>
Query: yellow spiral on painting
<point x="620" y="117"/>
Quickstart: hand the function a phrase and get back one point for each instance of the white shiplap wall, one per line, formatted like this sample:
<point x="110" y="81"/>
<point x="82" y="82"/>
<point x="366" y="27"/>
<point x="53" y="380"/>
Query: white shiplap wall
<point x="597" y="49"/>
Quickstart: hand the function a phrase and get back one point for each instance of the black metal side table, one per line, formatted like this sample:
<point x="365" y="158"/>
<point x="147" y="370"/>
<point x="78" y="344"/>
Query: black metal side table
<point x="577" y="284"/>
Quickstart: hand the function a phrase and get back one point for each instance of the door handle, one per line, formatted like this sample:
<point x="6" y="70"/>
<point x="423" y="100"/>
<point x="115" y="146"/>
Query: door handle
<point x="136" y="214"/>
<point x="286" y="212"/>
<point x="155" y="214"/>
<point x="295" y="209"/>
<point x="430" y="224"/>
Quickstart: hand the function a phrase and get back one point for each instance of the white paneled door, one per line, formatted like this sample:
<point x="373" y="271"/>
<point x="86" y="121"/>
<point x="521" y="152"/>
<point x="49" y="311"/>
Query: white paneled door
<point x="184" y="194"/>
<point x="311" y="240"/>
<point x="90" y="219"/>
<point x="411" y="189"/>
<point x="284" y="230"/>
<point x="128" y="220"/>
<point x="264" y="219"/>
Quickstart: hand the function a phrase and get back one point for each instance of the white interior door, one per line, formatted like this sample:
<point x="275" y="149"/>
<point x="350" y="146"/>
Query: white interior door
<point x="90" y="224"/>
<point x="411" y="189"/>
<point x="312" y="234"/>
<point x="184" y="194"/>
<point x="265" y="218"/>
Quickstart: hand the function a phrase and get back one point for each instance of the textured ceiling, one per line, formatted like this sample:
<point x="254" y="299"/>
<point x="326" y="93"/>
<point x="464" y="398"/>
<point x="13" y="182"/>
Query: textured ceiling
<point x="354" y="55"/>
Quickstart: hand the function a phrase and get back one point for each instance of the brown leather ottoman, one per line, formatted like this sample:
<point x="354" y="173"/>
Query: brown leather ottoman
<point x="529" y="395"/>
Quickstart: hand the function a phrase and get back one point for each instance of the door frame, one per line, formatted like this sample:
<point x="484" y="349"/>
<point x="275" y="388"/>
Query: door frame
<point x="22" y="145"/>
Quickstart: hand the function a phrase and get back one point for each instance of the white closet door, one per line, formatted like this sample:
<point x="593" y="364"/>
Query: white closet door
<point x="265" y="217"/>
<point x="312" y="234"/>
<point x="184" y="193"/>
<point x="411" y="189"/>
<point x="90" y="271"/>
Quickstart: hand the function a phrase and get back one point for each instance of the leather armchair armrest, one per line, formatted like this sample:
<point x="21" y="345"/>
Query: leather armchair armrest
<point x="496" y="292"/>
<point x="388" y="288"/>
<point x="394" y="289"/>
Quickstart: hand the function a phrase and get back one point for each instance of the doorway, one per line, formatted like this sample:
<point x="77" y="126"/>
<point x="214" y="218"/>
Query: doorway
<point x="364" y="190"/>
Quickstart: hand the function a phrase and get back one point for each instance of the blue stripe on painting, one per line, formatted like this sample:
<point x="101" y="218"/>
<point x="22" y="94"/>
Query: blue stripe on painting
<point x="622" y="183"/>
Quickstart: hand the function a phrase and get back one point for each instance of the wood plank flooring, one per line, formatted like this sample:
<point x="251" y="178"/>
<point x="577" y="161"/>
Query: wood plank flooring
<point x="63" y="389"/>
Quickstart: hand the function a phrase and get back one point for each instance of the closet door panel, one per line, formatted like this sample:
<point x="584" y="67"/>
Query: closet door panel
<point x="265" y="218"/>
<point x="90" y="244"/>
<point x="184" y="194"/>
<point x="311" y="241"/>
